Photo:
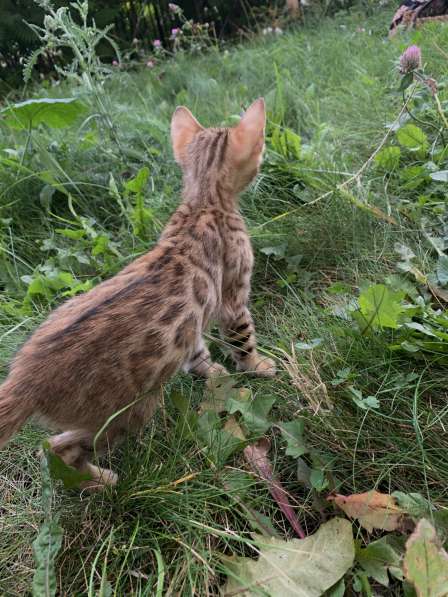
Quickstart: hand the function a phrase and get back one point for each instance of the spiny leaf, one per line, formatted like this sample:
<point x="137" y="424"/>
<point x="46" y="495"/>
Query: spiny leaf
<point x="372" y="509"/>
<point x="297" y="568"/>
<point x="426" y="562"/>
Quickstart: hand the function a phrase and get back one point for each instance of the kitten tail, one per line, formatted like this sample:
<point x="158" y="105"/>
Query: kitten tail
<point x="14" y="411"/>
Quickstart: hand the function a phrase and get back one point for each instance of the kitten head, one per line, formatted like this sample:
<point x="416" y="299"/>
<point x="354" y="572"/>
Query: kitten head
<point x="211" y="154"/>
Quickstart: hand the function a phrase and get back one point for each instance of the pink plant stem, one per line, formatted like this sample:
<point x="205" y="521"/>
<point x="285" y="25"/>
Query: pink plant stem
<point x="256" y="456"/>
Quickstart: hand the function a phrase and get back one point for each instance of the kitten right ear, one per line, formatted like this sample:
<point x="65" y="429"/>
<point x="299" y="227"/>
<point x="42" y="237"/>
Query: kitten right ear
<point x="184" y="127"/>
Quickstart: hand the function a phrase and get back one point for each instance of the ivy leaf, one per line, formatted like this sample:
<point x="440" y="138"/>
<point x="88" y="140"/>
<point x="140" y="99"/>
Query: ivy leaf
<point x="380" y="306"/>
<point x="293" y="434"/>
<point x="377" y="559"/>
<point x="55" y="113"/>
<point x="388" y="158"/>
<point x="426" y="562"/>
<point x="372" y="509"/>
<point x="254" y="412"/>
<point x="412" y="137"/>
<point x="305" y="567"/>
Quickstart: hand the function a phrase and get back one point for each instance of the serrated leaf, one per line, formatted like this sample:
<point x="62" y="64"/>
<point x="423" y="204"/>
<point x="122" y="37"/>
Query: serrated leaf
<point x="388" y="158"/>
<point x="426" y="562"/>
<point x="297" y="568"/>
<point x="55" y="113"/>
<point x="137" y="184"/>
<point x="293" y="434"/>
<point x="46" y="546"/>
<point x="380" y="306"/>
<point x="412" y="137"/>
<point x="372" y="509"/>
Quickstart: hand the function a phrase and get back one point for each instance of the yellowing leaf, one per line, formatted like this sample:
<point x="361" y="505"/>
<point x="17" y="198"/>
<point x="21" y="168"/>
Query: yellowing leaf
<point x="297" y="568"/>
<point x="426" y="562"/>
<point x="372" y="509"/>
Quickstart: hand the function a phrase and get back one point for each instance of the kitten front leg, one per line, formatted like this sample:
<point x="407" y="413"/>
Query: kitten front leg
<point x="201" y="364"/>
<point x="239" y="334"/>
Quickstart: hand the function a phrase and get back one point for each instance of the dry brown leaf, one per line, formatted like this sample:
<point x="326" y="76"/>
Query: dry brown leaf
<point x="372" y="509"/>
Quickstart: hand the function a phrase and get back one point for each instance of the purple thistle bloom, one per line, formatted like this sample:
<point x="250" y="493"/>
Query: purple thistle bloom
<point x="157" y="43"/>
<point x="175" y="32"/>
<point x="174" y="8"/>
<point x="410" y="60"/>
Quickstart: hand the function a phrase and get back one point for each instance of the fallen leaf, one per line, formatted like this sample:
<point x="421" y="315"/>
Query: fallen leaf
<point x="297" y="568"/>
<point x="372" y="509"/>
<point x="426" y="562"/>
<point x="257" y="458"/>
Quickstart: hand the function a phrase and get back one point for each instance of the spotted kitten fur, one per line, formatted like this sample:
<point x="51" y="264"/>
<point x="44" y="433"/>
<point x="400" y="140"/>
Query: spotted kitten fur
<point x="112" y="348"/>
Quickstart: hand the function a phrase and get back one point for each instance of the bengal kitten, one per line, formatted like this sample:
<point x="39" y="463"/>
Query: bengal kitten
<point x="101" y="358"/>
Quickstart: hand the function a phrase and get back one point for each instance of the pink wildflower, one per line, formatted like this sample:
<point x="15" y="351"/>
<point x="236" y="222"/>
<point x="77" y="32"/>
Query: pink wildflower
<point x="115" y="62"/>
<point x="150" y="64"/>
<point x="157" y="43"/>
<point x="410" y="60"/>
<point x="175" y="32"/>
<point x="174" y="8"/>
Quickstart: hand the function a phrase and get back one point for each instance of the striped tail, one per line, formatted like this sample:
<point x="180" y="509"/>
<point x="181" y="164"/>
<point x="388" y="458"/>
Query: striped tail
<point x="14" y="411"/>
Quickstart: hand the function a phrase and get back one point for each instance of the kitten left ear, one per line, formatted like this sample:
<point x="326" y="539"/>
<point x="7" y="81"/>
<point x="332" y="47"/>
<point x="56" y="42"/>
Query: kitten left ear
<point x="249" y="132"/>
<point x="184" y="127"/>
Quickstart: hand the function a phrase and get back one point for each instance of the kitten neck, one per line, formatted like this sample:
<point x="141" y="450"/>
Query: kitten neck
<point x="210" y="193"/>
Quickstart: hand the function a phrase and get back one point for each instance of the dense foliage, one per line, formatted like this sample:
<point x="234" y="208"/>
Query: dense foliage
<point x="234" y="481"/>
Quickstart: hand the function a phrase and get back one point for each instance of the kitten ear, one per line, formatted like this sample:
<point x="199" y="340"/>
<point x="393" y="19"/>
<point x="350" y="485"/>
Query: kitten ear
<point x="184" y="127"/>
<point x="249" y="132"/>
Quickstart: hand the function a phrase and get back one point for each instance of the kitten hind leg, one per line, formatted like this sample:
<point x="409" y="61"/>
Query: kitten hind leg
<point x="74" y="448"/>
<point x="201" y="364"/>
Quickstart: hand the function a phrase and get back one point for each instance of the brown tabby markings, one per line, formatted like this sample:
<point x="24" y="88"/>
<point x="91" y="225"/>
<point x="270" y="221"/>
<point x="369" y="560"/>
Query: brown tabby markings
<point x="112" y="348"/>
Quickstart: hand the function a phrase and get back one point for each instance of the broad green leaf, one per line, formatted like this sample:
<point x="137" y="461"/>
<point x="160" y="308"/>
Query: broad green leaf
<point x="220" y="443"/>
<point x="254" y="412"/>
<point x="380" y="306"/>
<point x="412" y="137"/>
<point x="441" y="175"/>
<point x="442" y="270"/>
<point x="318" y="480"/>
<point x="388" y="158"/>
<point x="364" y="403"/>
<point x="377" y="558"/>
<point x="308" y="345"/>
<point x="293" y="434"/>
<point x="426" y="562"/>
<point x="337" y="590"/>
<point x="55" y="113"/>
<point x="297" y="568"/>
<point x="70" y="476"/>
<point x="276" y="251"/>
<point x="138" y="183"/>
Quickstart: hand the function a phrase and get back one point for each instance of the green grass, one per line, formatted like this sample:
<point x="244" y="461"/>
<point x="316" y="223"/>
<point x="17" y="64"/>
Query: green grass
<point x="338" y="94"/>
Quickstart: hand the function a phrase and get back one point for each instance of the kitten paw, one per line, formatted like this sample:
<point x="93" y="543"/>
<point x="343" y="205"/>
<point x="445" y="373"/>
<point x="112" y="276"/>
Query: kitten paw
<point x="265" y="368"/>
<point x="259" y="366"/>
<point x="217" y="370"/>
<point x="101" y="478"/>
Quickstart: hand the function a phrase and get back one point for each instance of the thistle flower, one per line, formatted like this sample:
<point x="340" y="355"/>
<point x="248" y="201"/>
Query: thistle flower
<point x="410" y="60"/>
<point x="150" y="63"/>
<point x="114" y="62"/>
<point x="157" y="43"/>
<point x="174" y="8"/>
<point x="175" y="32"/>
